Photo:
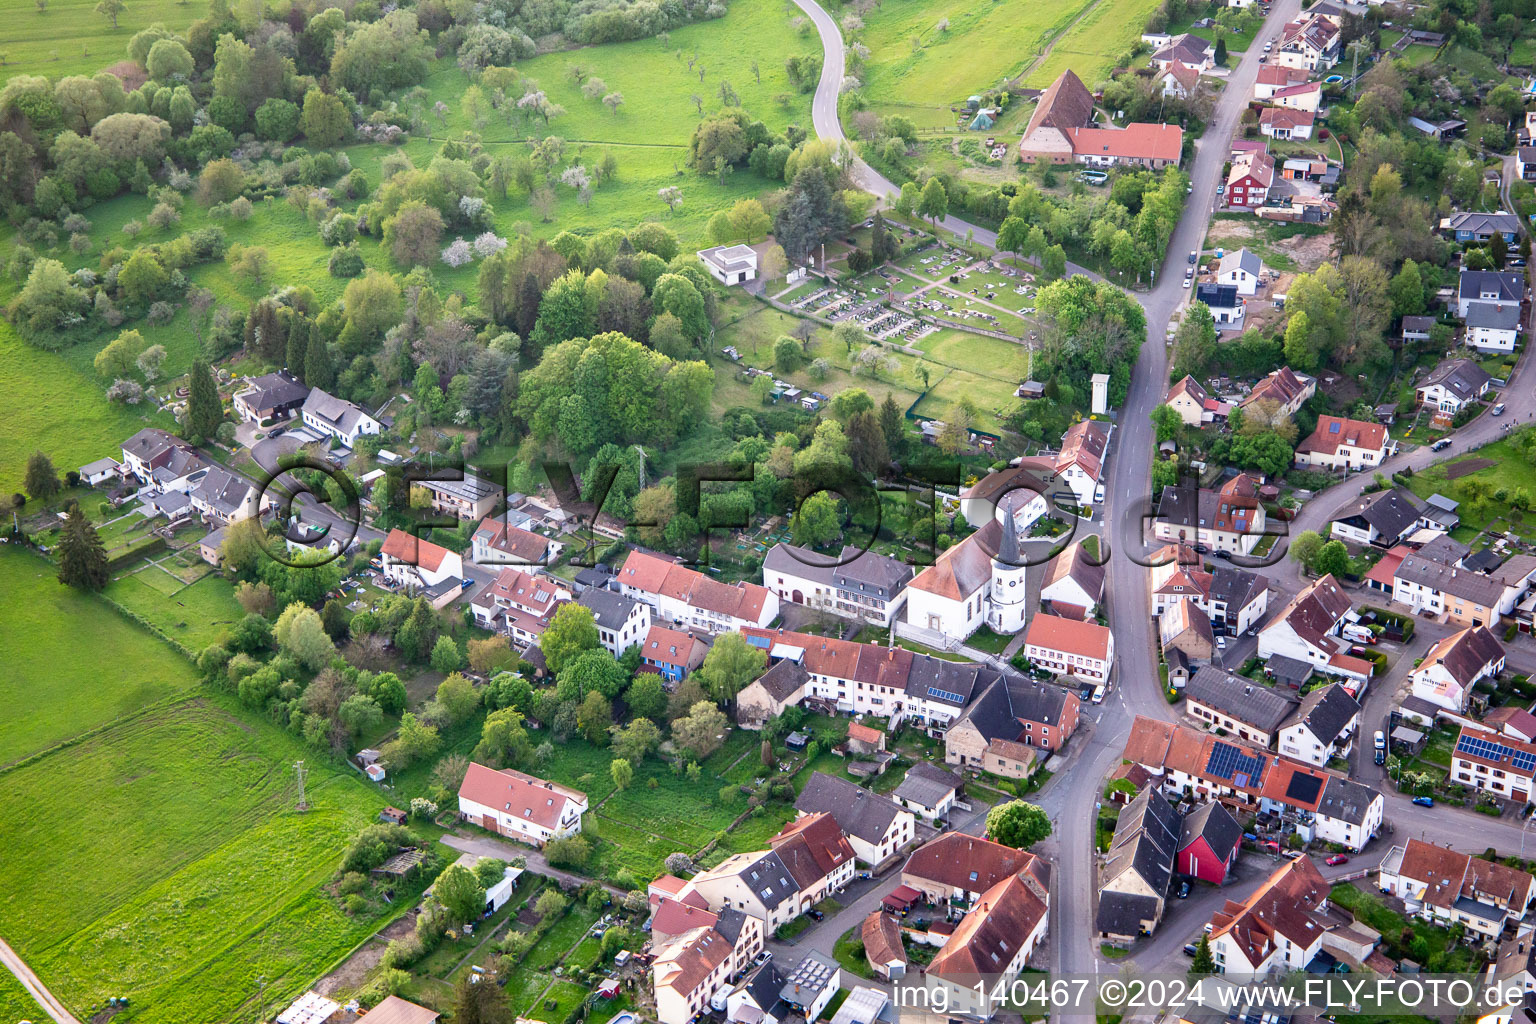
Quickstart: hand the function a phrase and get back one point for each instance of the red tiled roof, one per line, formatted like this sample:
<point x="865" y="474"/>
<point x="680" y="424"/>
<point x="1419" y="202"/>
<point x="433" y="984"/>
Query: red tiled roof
<point x="1286" y="117"/>
<point x="1136" y="141"/>
<point x="403" y="547"/>
<point x="1335" y="431"/>
<point x="522" y="796"/>
<point x="1053" y="632"/>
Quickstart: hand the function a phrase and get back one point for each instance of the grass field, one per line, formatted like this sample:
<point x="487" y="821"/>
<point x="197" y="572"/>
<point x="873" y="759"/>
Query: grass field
<point x="16" y="1004"/>
<point x="1091" y="46"/>
<point x="52" y="688"/>
<point x="193" y="874"/>
<point x="1508" y="472"/>
<point x="197" y="615"/>
<point x="69" y="38"/>
<point x="986" y="43"/>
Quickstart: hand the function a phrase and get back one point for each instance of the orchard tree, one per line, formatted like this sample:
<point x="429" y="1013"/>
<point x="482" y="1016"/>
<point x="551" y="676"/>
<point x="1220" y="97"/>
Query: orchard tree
<point x="460" y="893"/>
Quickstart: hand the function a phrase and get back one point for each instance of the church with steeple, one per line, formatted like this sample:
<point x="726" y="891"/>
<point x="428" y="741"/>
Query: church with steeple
<point x="979" y="581"/>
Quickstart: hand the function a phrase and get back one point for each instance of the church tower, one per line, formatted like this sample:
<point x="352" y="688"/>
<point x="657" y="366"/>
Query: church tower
<point x="1009" y="603"/>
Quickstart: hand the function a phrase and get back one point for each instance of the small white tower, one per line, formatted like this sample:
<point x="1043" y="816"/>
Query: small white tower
<point x="1009" y="602"/>
<point x="1100" y="394"/>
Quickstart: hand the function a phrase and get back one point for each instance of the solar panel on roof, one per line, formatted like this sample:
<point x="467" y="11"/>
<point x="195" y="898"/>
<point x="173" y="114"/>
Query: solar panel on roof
<point x="934" y="691"/>
<point x="1303" y="788"/>
<point x="1231" y="763"/>
<point x="1476" y="746"/>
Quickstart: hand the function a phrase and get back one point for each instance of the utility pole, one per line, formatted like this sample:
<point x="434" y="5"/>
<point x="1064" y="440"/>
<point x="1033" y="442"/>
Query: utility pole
<point x="1354" y="79"/>
<point x="300" y="771"/>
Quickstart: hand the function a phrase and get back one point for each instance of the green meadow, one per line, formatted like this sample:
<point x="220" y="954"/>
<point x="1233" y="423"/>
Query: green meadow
<point x="71" y="663"/>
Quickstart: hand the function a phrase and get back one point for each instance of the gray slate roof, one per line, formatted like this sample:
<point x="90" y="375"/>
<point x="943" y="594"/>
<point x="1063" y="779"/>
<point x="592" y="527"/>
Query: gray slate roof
<point x="1504" y="285"/>
<point x="1146" y="842"/>
<point x="1238" y="697"/>
<point x="1121" y="913"/>
<point x="1346" y="800"/>
<point x="1212" y="822"/>
<point x="1242" y="259"/>
<point x="1390" y="512"/>
<point x="610" y="609"/>
<point x="1327" y="712"/>
<point x="857" y="811"/>
<point x="1462" y="377"/>
<point x="338" y="412"/>
<point x="926" y="784"/>
<point x="862" y="573"/>
<point x="1494" y="316"/>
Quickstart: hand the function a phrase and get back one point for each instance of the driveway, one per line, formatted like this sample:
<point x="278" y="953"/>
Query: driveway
<point x="502" y="849"/>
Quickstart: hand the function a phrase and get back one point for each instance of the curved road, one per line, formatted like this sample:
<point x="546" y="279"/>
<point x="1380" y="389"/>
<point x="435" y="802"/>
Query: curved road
<point x="830" y="129"/>
<point x="1073" y="943"/>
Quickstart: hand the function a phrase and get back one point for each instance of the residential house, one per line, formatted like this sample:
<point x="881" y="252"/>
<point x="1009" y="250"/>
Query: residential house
<point x="1226" y="305"/>
<point x="1242" y="270"/>
<point x="992" y="944"/>
<point x="222" y="497"/>
<point x="758" y="883"/>
<point x="1322" y="727"/>
<point x="470" y="497"/>
<point x="161" y="461"/>
<point x="755" y="999"/>
<point x="730" y="264"/>
<point x="1066" y="104"/>
<point x="412" y="562"/>
<point x="855" y="678"/>
<point x="1073" y="583"/>
<point x="672" y="653"/>
<point x="1273" y="78"/>
<point x="1435" y="580"/>
<point x="1080" y="463"/>
<point x="1448" y="888"/>
<point x="1499" y="765"/>
<point x="1382" y="518"/>
<point x="270" y="397"/>
<point x="1148" y="146"/>
<point x="1179" y="80"/>
<point x="1320" y="804"/>
<point x="520" y="806"/>
<point x="1277" y="930"/>
<point x="520" y="604"/>
<point x="1233" y="599"/>
<point x="1454" y="384"/>
<point x="1525" y="163"/>
<point x="1496" y="286"/>
<point x="499" y="542"/>
<point x="1065" y="646"/>
<point x="1285" y="387"/>
<point x="1133" y="887"/>
<point x="1286" y="123"/>
<point x="856" y="584"/>
<point x="1209" y="841"/>
<point x="1341" y="443"/>
<point x="1236" y="705"/>
<point x="330" y="416"/>
<point x="693" y="599"/>
<point x="622" y="622"/>
<point x="877" y="827"/>
<point x="1184" y="626"/>
<point x="954" y="869"/>
<point x="1230" y="519"/>
<point x="1492" y="326"/>
<point x="1455" y="665"/>
<point x="1249" y="180"/>
<point x="928" y="791"/>
<point x="689" y="972"/>
<point x="1481" y="227"/>
<point x="819" y="857"/>
<point x="1027" y="483"/>
<point x="883" y="948"/>
<point x="1311" y="42"/>
<point x="1306" y="96"/>
<point x="1513" y="721"/>
<point x="1417" y="328"/>
<point x="1308" y="630"/>
<point x="1188" y="50"/>
<point x="810" y="985"/>
<point x="1193" y="403"/>
<point x="1011" y="711"/>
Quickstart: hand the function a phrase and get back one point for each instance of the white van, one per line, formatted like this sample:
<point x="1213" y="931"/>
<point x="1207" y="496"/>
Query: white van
<point x="1359" y="634"/>
<point x="1098" y="694"/>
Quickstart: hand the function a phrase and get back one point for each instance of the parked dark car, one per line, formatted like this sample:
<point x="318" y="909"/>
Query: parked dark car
<point x="1184" y="889"/>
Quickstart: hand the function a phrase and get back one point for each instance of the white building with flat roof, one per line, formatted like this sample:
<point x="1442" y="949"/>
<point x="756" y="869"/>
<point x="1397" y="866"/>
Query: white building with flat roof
<point x="730" y="264"/>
